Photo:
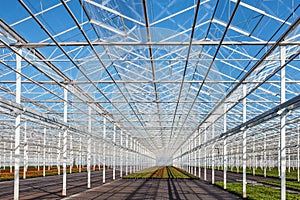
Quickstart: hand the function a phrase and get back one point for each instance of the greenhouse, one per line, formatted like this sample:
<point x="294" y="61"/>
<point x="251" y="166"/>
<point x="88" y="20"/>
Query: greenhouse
<point x="191" y="99"/>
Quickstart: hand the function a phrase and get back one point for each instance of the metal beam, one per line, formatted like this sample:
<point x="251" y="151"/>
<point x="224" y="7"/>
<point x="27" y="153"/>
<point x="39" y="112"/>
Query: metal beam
<point x="163" y="43"/>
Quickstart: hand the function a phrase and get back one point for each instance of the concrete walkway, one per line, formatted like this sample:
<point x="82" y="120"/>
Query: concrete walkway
<point x="50" y="187"/>
<point x="155" y="189"/>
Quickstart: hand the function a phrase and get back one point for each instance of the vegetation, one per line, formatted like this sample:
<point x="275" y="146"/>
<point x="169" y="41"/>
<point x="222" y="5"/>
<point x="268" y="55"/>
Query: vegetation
<point x="294" y="185"/>
<point x="257" y="191"/>
<point x="145" y="173"/>
<point x="270" y="172"/>
<point x="32" y="172"/>
<point x="168" y="172"/>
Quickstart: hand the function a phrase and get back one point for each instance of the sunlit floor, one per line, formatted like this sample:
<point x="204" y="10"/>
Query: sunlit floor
<point x="155" y="189"/>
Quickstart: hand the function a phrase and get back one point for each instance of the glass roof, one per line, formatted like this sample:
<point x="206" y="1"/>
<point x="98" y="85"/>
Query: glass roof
<point x="159" y="70"/>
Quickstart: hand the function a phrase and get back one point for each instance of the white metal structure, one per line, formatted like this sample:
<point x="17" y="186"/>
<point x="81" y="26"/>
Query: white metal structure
<point x="131" y="84"/>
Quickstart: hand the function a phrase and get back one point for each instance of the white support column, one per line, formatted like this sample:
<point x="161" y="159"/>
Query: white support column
<point x="4" y="155"/>
<point x="126" y="158"/>
<point x="244" y="142"/>
<point x="189" y="157"/>
<point x="89" y="162"/>
<point x="298" y="155"/>
<point x="283" y="127"/>
<point x="199" y="154"/>
<point x="237" y="158"/>
<point x="253" y="157"/>
<point x="213" y="156"/>
<point x="289" y="156"/>
<point x="64" y="190"/>
<point x="25" y="151"/>
<point x="195" y="158"/>
<point x="89" y="148"/>
<point x="38" y="154"/>
<point x="134" y="155"/>
<point x="225" y="150"/>
<point x="121" y="154"/>
<point x="114" y="153"/>
<point x="94" y="156"/>
<point x="205" y="161"/>
<point x="11" y="155"/>
<point x="104" y="149"/>
<point x="131" y="157"/>
<point x="49" y="154"/>
<point x="99" y="157"/>
<point x="278" y="158"/>
<point x="17" y="126"/>
<point x="72" y="153"/>
<point x="44" y="152"/>
<point x="265" y="154"/>
<point x="58" y="154"/>
<point x="80" y="154"/>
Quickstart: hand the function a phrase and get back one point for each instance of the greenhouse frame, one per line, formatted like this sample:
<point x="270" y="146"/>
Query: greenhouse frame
<point x="127" y="85"/>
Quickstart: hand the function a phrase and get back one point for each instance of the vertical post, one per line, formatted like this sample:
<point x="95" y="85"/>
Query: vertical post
<point x="80" y="154"/>
<point x="199" y="154"/>
<point x="283" y="127"/>
<point x="213" y="156"/>
<point x="64" y="190"/>
<point x="11" y="155"/>
<point x="25" y="151"/>
<point x="237" y="158"/>
<point x="126" y="158"/>
<point x="289" y="152"/>
<point x="49" y="156"/>
<point x="44" y="153"/>
<point x="121" y="154"/>
<point x="195" y="158"/>
<point x="72" y="153"/>
<point x="244" y="141"/>
<point x="131" y="145"/>
<point x="244" y="163"/>
<point x="114" y="153"/>
<point x="134" y="154"/>
<point x="205" y="161"/>
<point x="99" y="156"/>
<point x="189" y="156"/>
<point x="17" y="125"/>
<point x="253" y="158"/>
<point x="58" y="154"/>
<point x="94" y="156"/>
<point x="38" y="154"/>
<point x="265" y="154"/>
<point x="89" y="148"/>
<point x="104" y="147"/>
<point x="4" y="155"/>
<point x="225" y="151"/>
<point x="298" y="155"/>
<point x="278" y="157"/>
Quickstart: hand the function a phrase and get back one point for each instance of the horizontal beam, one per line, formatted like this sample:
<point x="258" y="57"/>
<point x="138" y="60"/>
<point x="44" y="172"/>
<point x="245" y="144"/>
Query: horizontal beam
<point x="141" y="101"/>
<point x="144" y="82"/>
<point x="200" y="43"/>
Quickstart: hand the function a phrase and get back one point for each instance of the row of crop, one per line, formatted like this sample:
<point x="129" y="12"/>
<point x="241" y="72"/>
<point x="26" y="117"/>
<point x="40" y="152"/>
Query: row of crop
<point x="168" y="172"/>
<point x="186" y="173"/>
<point x="174" y="173"/>
<point x="143" y="174"/>
<point x="257" y="191"/>
<point x="293" y="185"/>
<point x="270" y="172"/>
<point x="32" y="172"/>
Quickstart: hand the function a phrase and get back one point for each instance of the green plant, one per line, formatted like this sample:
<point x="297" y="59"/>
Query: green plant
<point x="257" y="191"/>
